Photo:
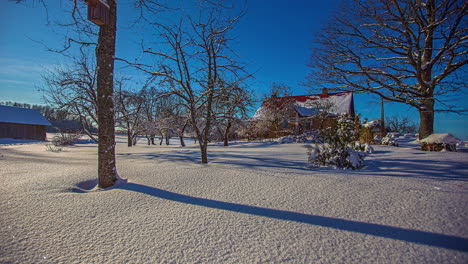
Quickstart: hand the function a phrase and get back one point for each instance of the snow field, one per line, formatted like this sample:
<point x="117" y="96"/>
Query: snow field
<point x="253" y="203"/>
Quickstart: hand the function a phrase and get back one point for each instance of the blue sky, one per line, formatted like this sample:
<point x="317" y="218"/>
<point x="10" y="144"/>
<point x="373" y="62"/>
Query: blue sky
<point x="273" y="38"/>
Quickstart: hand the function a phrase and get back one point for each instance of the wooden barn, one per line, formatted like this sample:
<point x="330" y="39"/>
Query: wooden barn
<point x="22" y="123"/>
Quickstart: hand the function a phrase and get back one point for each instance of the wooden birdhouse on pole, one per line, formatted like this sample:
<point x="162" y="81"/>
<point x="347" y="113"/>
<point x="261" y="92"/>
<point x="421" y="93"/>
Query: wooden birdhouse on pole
<point x="98" y="12"/>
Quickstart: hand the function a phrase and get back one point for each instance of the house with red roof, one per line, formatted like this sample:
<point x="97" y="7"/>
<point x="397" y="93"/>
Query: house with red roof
<point x="309" y="111"/>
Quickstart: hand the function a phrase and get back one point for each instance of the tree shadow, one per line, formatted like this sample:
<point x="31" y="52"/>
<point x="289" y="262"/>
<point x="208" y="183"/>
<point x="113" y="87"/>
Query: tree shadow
<point x="402" y="234"/>
<point x="381" y="165"/>
<point x="437" y="170"/>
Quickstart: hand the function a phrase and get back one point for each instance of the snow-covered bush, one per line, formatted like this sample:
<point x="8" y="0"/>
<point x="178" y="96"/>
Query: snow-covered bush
<point x="324" y="155"/>
<point x="338" y="150"/>
<point x="390" y="139"/>
<point x="311" y="136"/>
<point x="440" y="142"/>
<point x="367" y="148"/>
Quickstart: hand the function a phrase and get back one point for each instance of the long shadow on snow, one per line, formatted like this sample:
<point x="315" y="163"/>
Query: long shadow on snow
<point x="437" y="170"/>
<point x="219" y="157"/>
<point x="402" y="234"/>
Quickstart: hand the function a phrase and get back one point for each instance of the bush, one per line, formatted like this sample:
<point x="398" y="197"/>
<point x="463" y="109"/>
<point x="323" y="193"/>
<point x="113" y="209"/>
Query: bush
<point x="338" y="150"/>
<point x="324" y="155"/>
<point x="390" y="140"/>
<point x="367" y="148"/>
<point x="310" y="136"/>
<point x="66" y="139"/>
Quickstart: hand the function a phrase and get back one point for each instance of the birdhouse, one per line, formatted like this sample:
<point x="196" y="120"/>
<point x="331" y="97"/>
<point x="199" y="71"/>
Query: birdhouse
<point x="98" y="12"/>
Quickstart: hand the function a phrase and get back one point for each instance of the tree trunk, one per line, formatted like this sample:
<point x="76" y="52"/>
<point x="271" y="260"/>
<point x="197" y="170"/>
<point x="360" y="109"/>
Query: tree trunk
<point x="426" y="125"/>
<point x="105" y="51"/>
<point x="226" y="133"/>
<point x="129" y="138"/>
<point x="203" y="152"/>
<point x="181" y="136"/>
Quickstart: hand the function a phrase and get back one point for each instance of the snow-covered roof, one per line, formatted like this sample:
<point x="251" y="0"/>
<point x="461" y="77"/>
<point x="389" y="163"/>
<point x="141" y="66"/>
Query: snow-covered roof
<point x="371" y="124"/>
<point x="444" y="138"/>
<point x="18" y="115"/>
<point x="306" y="105"/>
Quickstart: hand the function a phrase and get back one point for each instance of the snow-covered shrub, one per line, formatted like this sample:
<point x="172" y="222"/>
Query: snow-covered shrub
<point x="390" y="139"/>
<point x="338" y="151"/>
<point x="367" y="148"/>
<point x="311" y="136"/>
<point x="440" y="142"/>
<point x="324" y="155"/>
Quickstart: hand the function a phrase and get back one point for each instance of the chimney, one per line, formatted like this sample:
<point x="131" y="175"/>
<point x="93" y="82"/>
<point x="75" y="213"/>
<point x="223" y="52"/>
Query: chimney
<point x="324" y="91"/>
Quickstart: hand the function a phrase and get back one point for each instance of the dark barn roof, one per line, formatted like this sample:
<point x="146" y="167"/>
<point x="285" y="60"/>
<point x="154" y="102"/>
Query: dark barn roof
<point x="25" y="116"/>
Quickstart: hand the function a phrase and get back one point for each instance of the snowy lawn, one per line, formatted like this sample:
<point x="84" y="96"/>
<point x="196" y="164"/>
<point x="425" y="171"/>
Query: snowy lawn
<point x="254" y="203"/>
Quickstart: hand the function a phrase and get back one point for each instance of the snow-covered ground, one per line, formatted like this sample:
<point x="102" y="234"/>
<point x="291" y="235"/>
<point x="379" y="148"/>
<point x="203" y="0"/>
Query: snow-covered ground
<point x="253" y="203"/>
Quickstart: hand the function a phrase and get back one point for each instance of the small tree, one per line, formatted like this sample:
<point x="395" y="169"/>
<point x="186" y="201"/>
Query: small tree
<point x="232" y="103"/>
<point x="401" y="125"/>
<point x="337" y="149"/>
<point x="129" y="112"/>
<point x="276" y="110"/>
<point x="73" y="88"/>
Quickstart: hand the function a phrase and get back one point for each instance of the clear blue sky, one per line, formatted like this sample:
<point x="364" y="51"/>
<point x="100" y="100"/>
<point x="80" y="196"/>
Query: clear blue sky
<point x="274" y="38"/>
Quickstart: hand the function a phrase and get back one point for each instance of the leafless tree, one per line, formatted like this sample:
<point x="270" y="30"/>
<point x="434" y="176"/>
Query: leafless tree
<point x="401" y="125"/>
<point x="233" y="101"/>
<point x="277" y="108"/>
<point x="197" y="55"/>
<point x="129" y="111"/>
<point x="84" y="34"/>
<point x="73" y="88"/>
<point x="406" y="51"/>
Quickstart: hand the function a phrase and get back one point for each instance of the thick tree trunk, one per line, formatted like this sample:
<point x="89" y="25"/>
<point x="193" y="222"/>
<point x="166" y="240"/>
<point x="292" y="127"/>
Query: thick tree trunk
<point x="426" y="125"/>
<point x="105" y="51"/>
